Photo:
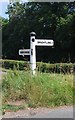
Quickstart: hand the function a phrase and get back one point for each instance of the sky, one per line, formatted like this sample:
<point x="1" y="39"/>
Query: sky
<point x="3" y="7"/>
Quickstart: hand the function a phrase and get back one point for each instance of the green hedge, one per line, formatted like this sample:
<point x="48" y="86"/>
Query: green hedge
<point x="56" y="68"/>
<point x="14" y="64"/>
<point x="41" y="66"/>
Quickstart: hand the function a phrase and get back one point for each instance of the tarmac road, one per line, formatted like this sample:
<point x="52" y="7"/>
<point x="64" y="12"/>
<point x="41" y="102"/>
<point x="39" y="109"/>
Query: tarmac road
<point x="57" y="113"/>
<point x="60" y="112"/>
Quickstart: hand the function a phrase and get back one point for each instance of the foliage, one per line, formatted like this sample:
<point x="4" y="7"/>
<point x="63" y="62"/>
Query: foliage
<point x="44" y="89"/>
<point x="14" y="108"/>
<point x="41" y="66"/>
<point x="53" y="20"/>
<point x="56" y="68"/>
<point x="12" y="64"/>
<point x="3" y="21"/>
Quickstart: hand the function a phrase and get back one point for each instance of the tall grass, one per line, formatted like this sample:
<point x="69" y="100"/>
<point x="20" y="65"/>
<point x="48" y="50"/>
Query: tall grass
<point x="43" y="89"/>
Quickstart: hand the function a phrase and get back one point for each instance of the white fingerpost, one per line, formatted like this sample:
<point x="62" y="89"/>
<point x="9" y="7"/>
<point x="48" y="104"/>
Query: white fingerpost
<point x="24" y="52"/>
<point x="33" y="52"/>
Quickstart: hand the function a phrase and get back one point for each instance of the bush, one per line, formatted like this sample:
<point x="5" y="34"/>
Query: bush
<point x="14" y="64"/>
<point x="42" y="67"/>
<point x="56" y="68"/>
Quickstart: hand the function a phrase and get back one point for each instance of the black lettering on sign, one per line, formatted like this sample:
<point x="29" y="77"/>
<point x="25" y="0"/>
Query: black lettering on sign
<point x="24" y="52"/>
<point x="31" y="51"/>
<point x="44" y="42"/>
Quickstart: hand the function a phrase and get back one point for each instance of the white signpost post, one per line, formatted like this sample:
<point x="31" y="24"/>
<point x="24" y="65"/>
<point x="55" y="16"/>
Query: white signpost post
<point x="32" y="51"/>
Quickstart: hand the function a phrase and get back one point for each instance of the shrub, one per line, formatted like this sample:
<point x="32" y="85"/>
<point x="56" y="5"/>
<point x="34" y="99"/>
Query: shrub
<point x="14" y="64"/>
<point x="56" y="68"/>
<point x="41" y="66"/>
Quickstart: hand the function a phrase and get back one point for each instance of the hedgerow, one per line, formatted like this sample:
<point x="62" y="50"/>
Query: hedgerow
<point x="41" y="66"/>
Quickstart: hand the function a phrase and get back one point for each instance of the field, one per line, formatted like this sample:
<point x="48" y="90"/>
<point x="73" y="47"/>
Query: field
<point x="41" y="90"/>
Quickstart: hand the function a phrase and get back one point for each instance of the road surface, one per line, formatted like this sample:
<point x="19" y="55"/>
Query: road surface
<point x="60" y="112"/>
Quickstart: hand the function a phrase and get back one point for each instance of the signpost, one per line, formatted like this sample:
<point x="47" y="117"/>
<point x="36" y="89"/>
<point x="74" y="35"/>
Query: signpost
<point x="42" y="42"/>
<point x="32" y="51"/>
<point x="24" y="52"/>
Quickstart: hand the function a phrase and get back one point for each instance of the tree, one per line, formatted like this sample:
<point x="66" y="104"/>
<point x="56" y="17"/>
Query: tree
<point x="49" y="20"/>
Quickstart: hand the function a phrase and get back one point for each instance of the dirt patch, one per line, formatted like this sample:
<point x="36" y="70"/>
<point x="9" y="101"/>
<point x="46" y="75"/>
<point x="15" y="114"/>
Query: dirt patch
<point x="16" y="103"/>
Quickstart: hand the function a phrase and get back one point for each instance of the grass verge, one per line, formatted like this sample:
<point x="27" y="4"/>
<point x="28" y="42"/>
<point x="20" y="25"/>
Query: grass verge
<point x="41" y="90"/>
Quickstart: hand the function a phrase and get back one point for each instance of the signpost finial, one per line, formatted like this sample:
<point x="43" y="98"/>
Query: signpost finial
<point x="32" y="34"/>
